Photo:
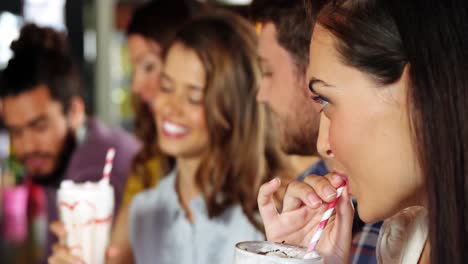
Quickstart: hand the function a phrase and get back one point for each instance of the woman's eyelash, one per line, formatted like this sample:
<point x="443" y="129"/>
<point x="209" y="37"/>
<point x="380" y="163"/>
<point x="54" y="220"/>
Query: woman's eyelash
<point x="266" y="72"/>
<point x="323" y="101"/>
<point x="148" y="67"/>
<point x="165" y="88"/>
<point x="320" y="100"/>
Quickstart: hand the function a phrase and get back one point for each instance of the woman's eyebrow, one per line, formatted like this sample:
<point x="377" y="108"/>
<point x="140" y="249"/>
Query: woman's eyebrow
<point x="313" y="81"/>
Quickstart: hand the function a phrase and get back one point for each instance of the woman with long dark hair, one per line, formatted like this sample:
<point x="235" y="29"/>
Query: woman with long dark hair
<point x="392" y="79"/>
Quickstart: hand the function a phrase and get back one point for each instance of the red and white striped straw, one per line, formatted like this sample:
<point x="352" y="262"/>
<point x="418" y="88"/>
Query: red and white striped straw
<point x="109" y="161"/>
<point x="323" y="222"/>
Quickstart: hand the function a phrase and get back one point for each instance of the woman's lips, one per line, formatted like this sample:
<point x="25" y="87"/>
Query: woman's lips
<point x="344" y="177"/>
<point x="341" y="174"/>
<point x="173" y="130"/>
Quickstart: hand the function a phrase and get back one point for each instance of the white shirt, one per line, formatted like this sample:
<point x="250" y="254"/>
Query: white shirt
<point x="403" y="236"/>
<point x="161" y="233"/>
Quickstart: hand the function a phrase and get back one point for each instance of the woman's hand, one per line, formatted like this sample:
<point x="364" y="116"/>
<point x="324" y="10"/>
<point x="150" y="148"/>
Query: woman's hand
<point x="120" y="250"/>
<point x="303" y="206"/>
<point x="60" y="253"/>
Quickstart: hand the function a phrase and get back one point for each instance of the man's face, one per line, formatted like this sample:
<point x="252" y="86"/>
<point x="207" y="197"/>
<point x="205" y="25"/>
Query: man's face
<point x="285" y="90"/>
<point x="38" y="129"/>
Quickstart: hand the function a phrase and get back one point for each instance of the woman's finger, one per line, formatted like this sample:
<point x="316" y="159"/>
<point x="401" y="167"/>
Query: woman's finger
<point x="299" y="193"/>
<point x="58" y="229"/>
<point x="266" y="203"/>
<point x="325" y="187"/>
<point x="62" y="255"/>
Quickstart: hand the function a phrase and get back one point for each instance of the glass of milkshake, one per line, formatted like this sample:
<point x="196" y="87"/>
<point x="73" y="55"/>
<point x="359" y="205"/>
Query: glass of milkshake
<point x="263" y="252"/>
<point x="86" y="210"/>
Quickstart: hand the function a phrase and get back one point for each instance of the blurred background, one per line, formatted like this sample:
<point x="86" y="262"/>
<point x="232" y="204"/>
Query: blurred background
<point x="96" y="34"/>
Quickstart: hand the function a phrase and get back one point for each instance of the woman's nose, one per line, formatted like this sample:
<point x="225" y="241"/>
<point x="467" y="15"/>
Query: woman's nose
<point x="323" y="143"/>
<point x="168" y="104"/>
<point x="136" y="85"/>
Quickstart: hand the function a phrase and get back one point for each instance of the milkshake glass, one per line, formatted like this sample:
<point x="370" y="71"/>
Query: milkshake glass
<point x="86" y="209"/>
<point x="263" y="252"/>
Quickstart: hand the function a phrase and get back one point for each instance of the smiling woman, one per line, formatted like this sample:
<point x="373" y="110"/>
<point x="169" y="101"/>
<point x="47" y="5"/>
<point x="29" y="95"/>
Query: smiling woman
<point x="152" y="26"/>
<point x="182" y="91"/>
<point x="210" y="122"/>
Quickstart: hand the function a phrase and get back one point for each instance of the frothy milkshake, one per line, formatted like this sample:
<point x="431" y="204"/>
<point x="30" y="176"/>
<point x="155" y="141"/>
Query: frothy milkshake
<point x="262" y="252"/>
<point x="86" y="209"/>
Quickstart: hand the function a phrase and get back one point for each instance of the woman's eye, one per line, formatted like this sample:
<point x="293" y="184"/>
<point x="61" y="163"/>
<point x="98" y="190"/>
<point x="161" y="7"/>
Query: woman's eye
<point x="148" y="67"/>
<point x="196" y="99"/>
<point x="320" y="100"/>
<point x="165" y="88"/>
<point x="266" y="72"/>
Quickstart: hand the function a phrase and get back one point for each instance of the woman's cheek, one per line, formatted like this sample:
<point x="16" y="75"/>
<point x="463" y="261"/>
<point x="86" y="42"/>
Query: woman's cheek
<point x="342" y="139"/>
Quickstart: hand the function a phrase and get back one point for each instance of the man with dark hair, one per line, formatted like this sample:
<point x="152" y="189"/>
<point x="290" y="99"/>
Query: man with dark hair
<point x="284" y="38"/>
<point x="44" y="112"/>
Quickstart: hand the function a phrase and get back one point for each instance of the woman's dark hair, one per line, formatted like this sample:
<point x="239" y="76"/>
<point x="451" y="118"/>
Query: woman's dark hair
<point x="430" y="37"/>
<point x="41" y="56"/>
<point x="242" y="153"/>
<point x="145" y="131"/>
<point x="156" y="21"/>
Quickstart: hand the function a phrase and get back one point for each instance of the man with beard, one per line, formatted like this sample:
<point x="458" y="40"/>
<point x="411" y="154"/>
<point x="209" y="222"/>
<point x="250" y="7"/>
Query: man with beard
<point x="284" y="38"/>
<point x="45" y="115"/>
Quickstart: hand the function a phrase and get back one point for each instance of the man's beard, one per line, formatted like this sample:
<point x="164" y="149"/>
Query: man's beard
<point x="299" y="140"/>
<point x="54" y="178"/>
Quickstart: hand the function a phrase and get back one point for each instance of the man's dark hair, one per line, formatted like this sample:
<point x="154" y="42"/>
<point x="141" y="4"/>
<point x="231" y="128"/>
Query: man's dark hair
<point x="293" y="26"/>
<point x="41" y="57"/>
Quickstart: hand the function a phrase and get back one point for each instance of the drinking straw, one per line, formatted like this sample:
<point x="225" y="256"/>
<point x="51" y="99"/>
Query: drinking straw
<point x="323" y="222"/>
<point x="108" y="165"/>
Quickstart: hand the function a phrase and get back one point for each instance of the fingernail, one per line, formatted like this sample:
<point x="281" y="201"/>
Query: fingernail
<point x="314" y="200"/>
<point x="337" y="178"/>
<point x="275" y="180"/>
<point x="63" y="232"/>
<point x="112" y="252"/>
<point x="329" y="192"/>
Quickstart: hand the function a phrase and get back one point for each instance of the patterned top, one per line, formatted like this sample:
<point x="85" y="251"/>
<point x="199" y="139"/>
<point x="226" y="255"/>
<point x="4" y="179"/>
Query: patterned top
<point x="363" y="244"/>
<point x="161" y="233"/>
<point x="318" y="168"/>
